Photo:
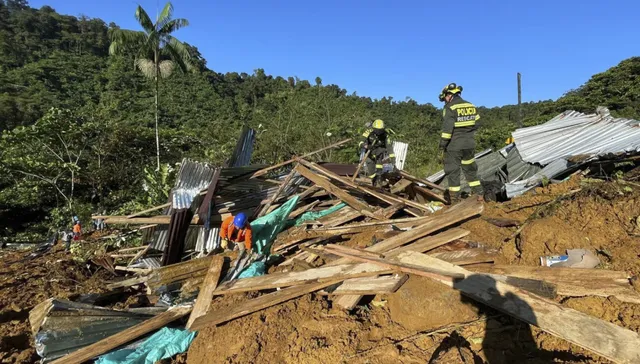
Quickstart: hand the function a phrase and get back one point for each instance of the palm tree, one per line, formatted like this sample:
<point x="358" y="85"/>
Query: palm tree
<point x="157" y="51"/>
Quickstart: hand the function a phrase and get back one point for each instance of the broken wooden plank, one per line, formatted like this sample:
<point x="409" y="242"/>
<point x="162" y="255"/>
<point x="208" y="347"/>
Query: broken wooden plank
<point x="466" y="256"/>
<point x="206" y="290"/>
<point x="422" y="181"/>
<point x="367" y="258"/>
<point x="573" y="282"/>
<point x="121" y="338"/>
<point x="389" y="211"/>
<point x="362" y="162"/>
<point x="160" y="219"/>
<point x="400" y="185"/>
<point x="303" y="209"/>
<point x="139" y="254"/>
<point x="278" y="280"/>
<point x="454" y="215"/>
<point x="334" y="190"/>
<point x="245" y="308"/>
<point x="430" y="194"/>
<point x="368" y="286"/>
<point x="279" y="165"/>
<point x="431" y="242"/>
<point x="460" y="212"/>
<point x="606" y="339"/>
<point x="275" y="196"/>
<point x="390" y="199"/>
<point x="160" y="207"/>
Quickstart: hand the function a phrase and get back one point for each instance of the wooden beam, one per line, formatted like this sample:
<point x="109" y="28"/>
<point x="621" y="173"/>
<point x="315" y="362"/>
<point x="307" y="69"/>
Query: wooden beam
<point x="423" y="181"/>
<point x="303" y="209"/>
<point x="389" y="211"/>
<point x="123" y="337"/>
<point x="466" y="256"/>
<point x="454" y="215"/>
<point x="573" y="282"/>
<point x="368" y="286"/>
<point x="431" y="242"/>
<point x="275" y="196"/>
<point x="400" y="185"/>
<point x="334" y="190"/>
<point x="160" y="207"/>
<point x="359" y="256"/>
<point x="460" y="212"/>
<point x="430" y="194"/>
<point x="603" y="338"/>
<point x="206" y="290"/>
<point x="390" y="199"/>
<point x="265" y="301"/>
<point x="278" y="280"/>
<point x="139" y="254"/>
<point x="279" y="165"/>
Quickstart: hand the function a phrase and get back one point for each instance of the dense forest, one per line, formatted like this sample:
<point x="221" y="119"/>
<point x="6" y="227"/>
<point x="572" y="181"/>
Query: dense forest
<point x="78" y="123"/>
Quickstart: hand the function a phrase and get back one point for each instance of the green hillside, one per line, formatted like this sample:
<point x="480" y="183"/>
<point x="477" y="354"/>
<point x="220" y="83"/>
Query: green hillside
<point x="78" y="125"/>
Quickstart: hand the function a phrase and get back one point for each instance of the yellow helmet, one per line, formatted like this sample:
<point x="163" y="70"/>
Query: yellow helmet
<point x="451" y="88"/>
<point x="378" y="124"/>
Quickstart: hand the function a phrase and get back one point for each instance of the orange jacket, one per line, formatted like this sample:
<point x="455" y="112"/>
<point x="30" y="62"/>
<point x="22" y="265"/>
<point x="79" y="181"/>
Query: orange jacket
<point x="231" y="232"/>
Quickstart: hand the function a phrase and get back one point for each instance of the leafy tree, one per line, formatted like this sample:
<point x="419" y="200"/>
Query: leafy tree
<point x="157" y="51"/>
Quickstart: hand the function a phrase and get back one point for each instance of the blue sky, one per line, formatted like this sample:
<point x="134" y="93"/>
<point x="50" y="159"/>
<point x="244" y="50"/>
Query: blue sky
<point x="403" y="48"/>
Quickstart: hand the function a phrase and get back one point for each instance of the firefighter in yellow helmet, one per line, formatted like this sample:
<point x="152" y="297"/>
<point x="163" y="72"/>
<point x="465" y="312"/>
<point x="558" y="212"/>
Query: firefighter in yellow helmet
<point x="376" y="140"/>
<point x="457" y="141"/>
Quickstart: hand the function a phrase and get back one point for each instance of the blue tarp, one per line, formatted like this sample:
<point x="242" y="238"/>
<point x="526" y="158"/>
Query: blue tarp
<point x="162" y="345"/>
<point x="266" y="228"/>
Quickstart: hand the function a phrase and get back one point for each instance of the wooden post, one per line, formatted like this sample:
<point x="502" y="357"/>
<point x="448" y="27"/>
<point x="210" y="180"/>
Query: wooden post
<point x="519" y="101"/>
<point x="206" y="290"/>
<point x="362" y="162"/>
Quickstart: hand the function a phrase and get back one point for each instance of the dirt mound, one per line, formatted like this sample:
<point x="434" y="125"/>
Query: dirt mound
<point x="426" y="321"/>
<point x="24" y="283"/>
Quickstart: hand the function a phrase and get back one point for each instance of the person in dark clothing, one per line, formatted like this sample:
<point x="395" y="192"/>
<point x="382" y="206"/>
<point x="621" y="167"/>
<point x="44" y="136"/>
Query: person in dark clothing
<point x="376" y="141"/>
<point x="457" y="141"/>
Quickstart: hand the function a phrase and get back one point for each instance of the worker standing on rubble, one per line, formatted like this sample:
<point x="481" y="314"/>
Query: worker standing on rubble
<point x="457" y="141"/>
<point x="238" y="230"/>
<point x="376" y="141"/>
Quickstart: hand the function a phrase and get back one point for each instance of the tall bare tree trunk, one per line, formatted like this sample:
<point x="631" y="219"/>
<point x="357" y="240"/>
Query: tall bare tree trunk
<point x="157" y="91"/>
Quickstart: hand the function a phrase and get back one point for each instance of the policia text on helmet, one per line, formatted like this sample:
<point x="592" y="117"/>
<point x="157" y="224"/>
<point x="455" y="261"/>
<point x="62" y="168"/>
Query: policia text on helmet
<point x="457" y="141"/>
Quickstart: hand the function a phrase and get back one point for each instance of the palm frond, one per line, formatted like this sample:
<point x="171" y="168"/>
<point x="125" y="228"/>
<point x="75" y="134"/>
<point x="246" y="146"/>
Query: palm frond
<point x="165" y="15"/>
<point x="166" y="68"/>
<point x="178" y="53"/>
<point x="143" y="18"/>
<point x="122" y="39"/>
<point x="147" y="67"/>
<point x="172" y="25"/>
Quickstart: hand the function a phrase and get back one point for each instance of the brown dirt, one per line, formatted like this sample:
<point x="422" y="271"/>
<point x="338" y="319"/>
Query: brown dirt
<point x="394" y="329"/>
<point x="24" y="283"/>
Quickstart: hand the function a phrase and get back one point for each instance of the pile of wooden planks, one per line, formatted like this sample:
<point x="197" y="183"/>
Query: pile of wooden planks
<point x="370" y="247"/>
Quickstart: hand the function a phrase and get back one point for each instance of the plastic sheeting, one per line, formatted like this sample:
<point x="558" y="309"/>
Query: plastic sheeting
<point x="254" y="270"/>
<point x="161" y="345"/>
<point x="265" y="229"/>
<point x="314" y="215"/>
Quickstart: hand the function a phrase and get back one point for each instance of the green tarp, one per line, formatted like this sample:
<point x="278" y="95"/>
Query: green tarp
<point x="162" y="345"/>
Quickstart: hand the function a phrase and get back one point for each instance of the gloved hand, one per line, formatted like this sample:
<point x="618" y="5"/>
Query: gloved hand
<point x="224" y="243"/>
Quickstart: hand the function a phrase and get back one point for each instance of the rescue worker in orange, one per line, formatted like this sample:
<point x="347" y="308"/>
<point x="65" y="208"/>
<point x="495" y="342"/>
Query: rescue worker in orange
<point x="237" y="230"/>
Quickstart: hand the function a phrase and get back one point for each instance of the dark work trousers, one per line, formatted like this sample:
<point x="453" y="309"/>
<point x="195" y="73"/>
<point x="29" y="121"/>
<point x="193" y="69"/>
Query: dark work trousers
<point x="454" y="160"/>
<point x="373" y="166"/>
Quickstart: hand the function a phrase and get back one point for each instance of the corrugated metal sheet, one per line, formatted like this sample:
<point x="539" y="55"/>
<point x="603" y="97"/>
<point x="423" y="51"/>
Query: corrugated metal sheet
<point x="400" y="149"/>
<point x="192" y="178"/>
<point x="518" y="169"/>
<point x="552" y="170"/>
<point x="573" y="133"/>
<point x="244" y="148"/>
<point x="436" y="177"/>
